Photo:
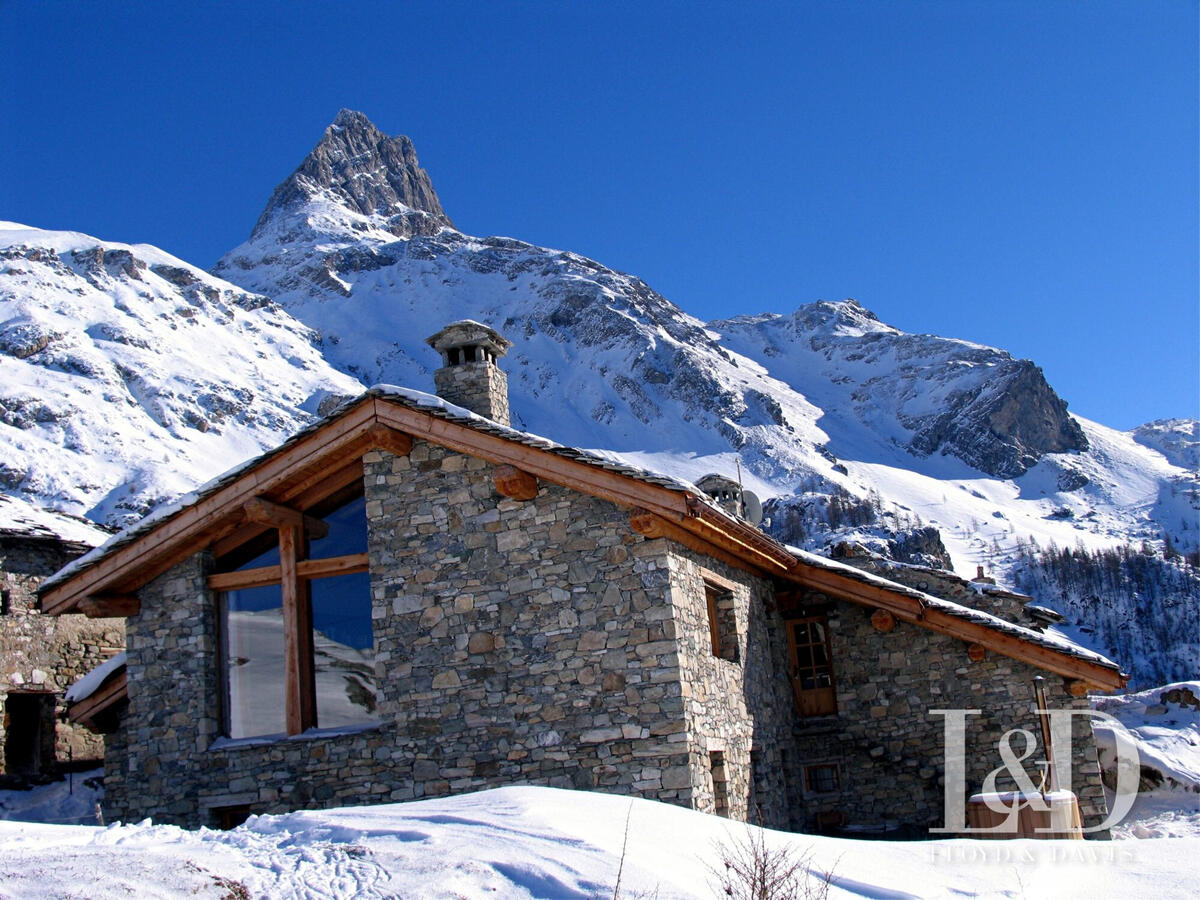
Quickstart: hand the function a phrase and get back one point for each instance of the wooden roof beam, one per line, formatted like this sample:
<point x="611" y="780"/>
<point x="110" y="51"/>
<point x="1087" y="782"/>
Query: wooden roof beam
<point x="264" y="512"/>
<point x="109" y="606"/>
<point x="87" y="710"/>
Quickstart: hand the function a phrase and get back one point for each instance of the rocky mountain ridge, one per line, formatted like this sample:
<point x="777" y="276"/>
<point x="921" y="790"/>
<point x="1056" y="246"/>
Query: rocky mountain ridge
<point x="361" y="263"/>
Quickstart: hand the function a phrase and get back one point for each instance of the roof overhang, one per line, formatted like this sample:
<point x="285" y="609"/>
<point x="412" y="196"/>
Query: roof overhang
<point x="300" y="472"/>
<point x="98" y="710"/>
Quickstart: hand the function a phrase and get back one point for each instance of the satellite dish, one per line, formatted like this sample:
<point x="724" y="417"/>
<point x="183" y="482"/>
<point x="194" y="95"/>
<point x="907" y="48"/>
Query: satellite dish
<point x="752" y="509"/>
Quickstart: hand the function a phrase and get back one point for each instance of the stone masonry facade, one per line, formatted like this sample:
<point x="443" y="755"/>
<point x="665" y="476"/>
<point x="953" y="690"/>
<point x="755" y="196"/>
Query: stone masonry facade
<point x="537" y="642"/>
<point x="889" y="748"/>
<point x="41" y="656"/>
<point x="546" y="642"/>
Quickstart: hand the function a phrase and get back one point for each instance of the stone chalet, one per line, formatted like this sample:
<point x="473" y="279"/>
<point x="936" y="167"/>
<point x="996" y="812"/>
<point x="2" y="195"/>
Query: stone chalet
<point x="41" y="656"/>
<point x="410" y="599"/>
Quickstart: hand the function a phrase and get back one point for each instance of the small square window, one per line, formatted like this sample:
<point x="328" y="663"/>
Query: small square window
<point x="226" y="818"/>
<point x="822" y="778"/>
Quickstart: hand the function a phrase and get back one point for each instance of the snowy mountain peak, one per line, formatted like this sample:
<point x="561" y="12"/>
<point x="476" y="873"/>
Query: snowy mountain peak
<point x="357" y="169"/>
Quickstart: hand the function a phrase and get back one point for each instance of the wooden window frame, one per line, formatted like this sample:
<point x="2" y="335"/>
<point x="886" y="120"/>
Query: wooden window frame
<point x="816" y="701"/>
<point x="810" y="770"/>
<point x="721" y="609"/>
<point x="293" y="575"/>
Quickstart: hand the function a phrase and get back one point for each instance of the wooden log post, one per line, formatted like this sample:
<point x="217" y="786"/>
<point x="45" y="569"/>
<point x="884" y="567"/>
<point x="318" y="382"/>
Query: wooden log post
<point x="299" y="682"/>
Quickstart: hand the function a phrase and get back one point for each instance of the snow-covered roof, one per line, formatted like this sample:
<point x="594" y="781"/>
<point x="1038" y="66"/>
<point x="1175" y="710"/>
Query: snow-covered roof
<point x="1055" y="642"/>
<point x="21" y="519"/>
<point x="611" y="462"/>
<point x="428" y="403"/>
<point x="90" y="683"/>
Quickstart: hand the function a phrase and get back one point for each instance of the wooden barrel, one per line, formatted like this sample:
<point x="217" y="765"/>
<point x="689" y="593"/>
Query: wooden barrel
<point x="1049" y="815"/>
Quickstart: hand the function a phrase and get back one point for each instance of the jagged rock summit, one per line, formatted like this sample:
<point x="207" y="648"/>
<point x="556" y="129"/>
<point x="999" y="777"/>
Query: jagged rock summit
<point x="357" y="166"/>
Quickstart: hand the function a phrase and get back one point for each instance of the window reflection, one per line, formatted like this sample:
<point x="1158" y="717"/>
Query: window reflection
<point x="253" y="630"/>
<point x="347" y="531"/>
<point x="342" y="639"/>
<point x="343" y="650"/>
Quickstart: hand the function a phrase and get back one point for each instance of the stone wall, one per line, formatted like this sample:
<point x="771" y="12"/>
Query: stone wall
<point x="889" y="748"/>
<point x="739" y="707"/>
<point x="516" y="642"/>
<point x="546" y="642"/>
<point x="45" y="655"/>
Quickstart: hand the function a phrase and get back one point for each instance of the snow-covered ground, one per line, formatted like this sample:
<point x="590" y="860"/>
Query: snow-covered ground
<point x="521" y="842"/>
<point x="543" y="842"/>
<point x="1164" y="724"/>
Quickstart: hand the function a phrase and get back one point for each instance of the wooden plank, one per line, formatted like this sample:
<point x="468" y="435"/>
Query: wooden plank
<point x="110" y="606"/>
<point x="326" y="567"/>
<point x="513" y="483"/>
<point x="213" y="517"/>
<point x="332" y="565"/>
<point x="245" y="579"/>
<point x="297" y="636"/>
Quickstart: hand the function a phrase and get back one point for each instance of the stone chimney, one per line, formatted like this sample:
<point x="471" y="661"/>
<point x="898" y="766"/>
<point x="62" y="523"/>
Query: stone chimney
<point x="726" y="491"/>
<point x="469" y="376"/>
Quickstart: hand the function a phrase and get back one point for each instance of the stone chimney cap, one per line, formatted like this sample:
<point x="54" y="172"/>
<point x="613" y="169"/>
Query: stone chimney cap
<point x="469" y="332"/>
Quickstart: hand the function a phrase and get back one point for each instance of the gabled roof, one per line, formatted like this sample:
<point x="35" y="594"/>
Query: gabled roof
<point x="325" y="456"/>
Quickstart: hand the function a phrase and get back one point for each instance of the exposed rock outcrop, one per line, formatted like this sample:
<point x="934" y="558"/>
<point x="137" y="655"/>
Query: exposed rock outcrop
<point x="358" y="166"/>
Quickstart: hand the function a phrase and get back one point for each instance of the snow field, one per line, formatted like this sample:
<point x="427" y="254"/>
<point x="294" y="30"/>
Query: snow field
<point x="527" y="842"/>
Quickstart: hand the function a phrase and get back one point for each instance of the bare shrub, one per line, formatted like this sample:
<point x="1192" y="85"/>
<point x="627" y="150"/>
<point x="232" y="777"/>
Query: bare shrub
<point x="750" y="870"/>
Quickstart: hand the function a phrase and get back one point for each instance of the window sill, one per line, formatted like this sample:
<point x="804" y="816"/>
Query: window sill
<point x="312" y="734"/>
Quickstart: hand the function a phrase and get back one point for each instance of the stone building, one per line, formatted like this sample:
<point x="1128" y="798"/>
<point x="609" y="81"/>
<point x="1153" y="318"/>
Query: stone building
<point x="40" y="656"/>
<point x="411" y="599"/>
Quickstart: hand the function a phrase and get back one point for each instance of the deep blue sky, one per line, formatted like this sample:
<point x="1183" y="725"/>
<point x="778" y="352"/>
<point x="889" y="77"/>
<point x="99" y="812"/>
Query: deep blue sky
<point x="1021" y="174"/>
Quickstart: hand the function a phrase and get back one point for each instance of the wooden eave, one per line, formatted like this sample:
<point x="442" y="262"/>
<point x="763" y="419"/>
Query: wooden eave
<point x="913" y="610"/>
<point x="299" y="471"/>
<point x="112" y="691"/>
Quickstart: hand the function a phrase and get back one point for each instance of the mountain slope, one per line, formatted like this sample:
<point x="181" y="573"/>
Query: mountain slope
<point x="944" y="430"/>
<point x="128" y="376"/>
